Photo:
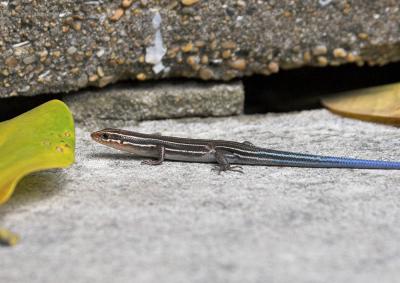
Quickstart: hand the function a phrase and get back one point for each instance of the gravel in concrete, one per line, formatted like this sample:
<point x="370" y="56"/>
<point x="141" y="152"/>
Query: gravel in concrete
<point x="58" y="46"/>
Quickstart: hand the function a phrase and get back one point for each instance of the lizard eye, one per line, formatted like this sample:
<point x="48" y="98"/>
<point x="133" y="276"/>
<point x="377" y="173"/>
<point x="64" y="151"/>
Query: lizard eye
<point x="104" y="136"/>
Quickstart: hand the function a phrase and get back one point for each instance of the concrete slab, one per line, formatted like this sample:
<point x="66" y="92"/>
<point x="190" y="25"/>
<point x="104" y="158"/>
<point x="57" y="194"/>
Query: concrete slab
<point x="156" y="100"/>
<point x="110" y="219"/>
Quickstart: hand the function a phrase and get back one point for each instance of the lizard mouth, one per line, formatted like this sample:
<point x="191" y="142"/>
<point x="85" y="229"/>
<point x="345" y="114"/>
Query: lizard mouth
<point x="96" y="136"/>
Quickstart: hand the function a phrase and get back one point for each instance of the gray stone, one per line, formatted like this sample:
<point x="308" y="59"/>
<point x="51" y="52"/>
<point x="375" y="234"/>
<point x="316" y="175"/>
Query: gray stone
<point x="110" y="219"/>
<point x="71" y="50"/>
<point x="208" y="40"/>
<point x="127" y="102"/>
<point x="29" y="60"/>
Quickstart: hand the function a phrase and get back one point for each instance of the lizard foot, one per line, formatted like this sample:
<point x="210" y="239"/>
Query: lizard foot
<point x="221" y="168"/>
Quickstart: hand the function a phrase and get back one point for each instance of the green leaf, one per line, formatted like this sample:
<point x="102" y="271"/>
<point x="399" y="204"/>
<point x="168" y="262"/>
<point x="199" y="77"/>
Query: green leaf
<point x="39" y="139"/>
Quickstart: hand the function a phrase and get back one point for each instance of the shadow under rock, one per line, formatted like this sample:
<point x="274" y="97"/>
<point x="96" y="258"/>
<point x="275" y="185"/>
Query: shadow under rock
<point x="33" y="188"/>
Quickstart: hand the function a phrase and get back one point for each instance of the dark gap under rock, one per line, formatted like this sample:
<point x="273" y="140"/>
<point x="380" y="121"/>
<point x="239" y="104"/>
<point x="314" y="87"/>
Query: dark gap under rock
<point x="14" y="106"/>
<point x="292" y="90"/>
<point x="301" y="89"/>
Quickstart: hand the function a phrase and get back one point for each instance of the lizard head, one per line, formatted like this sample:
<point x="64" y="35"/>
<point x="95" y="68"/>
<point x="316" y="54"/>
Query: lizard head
<point x="109" y="137"/>
<point x="124" y="140"/>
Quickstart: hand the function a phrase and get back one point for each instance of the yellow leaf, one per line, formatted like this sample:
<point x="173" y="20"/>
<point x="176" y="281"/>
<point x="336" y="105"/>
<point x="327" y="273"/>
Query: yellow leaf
<point x="377" y="104"/>
<point x="39" y="139"/>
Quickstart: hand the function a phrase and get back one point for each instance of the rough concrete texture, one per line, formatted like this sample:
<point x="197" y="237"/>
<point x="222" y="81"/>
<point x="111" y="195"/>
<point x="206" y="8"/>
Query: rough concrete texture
<point x="126" y="102"/>
<point x="57" y="46"/>
<point x="110" y="219"/>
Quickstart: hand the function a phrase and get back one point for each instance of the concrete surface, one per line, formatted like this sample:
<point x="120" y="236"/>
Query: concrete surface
<point x="57" y="46"/>
<point x="156" y="100"/>
<point x="110" y="219"/>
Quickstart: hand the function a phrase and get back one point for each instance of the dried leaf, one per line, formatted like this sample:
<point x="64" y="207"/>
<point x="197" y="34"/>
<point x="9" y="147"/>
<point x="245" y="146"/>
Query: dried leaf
<point x="377" y="104"/>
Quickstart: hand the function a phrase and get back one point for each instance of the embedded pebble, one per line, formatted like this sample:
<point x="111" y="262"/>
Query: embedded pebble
<point x="191" y="60"/>
<point x="206" y="73"/>
<point x="11" y="62"/>
<point x="77" y="26"/>
<point x="71" y="50"/>
<point x="56" y="54"/>
<point x="29" y="60"/>
<point x="117" y="14"/>
<point x="141" y="77"/>
<point x="238" y="64"/>
<point x="339" y="53"/>
<point x="204" y="59"/>
<point x="187" y="47"/>
<point x="320" y="50"/>
<point x="93" y="78"/>
<point x="226" y="54"/>
<point x="126" y="3"/>
<point x="351" y="58"/>
<point x="363" y="36"/>
<point x="273" y="67"/>
<point x="43" y="55"/>
<point x="322" y="61"/>
<point x="189" y="2"/>
<point x="100" y="72"/>
<point x="228" y="45"/>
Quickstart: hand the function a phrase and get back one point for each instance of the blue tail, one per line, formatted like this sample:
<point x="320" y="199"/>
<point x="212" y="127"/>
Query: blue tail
<point x="283" y="158"/>
<point x="341" y="162"/>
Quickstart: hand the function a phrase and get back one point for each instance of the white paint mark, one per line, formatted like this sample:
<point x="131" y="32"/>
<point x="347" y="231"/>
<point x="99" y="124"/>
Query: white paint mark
<point x="156" y="52"/>
<point x="324" y="3"/>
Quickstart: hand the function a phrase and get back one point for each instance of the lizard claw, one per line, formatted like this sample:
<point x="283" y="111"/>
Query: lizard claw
<point x="221" y="168"/>
<point x="236" y="168"/>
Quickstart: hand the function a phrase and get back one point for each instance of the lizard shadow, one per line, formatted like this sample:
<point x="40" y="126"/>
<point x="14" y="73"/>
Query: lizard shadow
<point x="31" y="189"/>
<point x="115" y="156"/>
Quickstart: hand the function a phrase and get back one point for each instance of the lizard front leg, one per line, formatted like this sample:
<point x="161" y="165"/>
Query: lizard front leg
<point x="159" y="160"/>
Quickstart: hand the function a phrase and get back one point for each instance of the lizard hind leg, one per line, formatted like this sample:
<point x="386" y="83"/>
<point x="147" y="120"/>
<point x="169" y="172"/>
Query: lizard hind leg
<point x="223" y="164"/>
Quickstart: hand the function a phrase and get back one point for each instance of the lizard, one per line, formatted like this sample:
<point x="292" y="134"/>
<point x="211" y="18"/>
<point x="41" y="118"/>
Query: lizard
<point x="229" y="155"/>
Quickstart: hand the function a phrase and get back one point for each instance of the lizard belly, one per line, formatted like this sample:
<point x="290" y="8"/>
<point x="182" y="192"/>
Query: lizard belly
<point x="195" y="156"/>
